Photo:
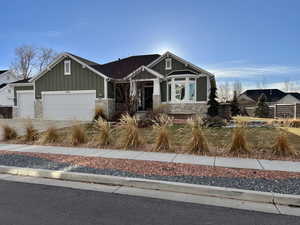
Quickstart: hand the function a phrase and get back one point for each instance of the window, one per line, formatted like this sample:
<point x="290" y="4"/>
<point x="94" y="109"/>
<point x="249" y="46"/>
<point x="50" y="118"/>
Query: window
<point x="168" y="63"/>
<point x="67" y="67"/>
<point x="184" y="90"/>
<point x="179" y="91"/>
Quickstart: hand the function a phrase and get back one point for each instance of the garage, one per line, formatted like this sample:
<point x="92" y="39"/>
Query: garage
<point x="69" y="105"/>
<point x="25" y="104"/>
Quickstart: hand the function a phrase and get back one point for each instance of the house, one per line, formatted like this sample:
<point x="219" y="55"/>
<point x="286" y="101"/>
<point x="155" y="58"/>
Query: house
<point x="71" y="87"/>
<point x="6" y="92"/>
<point x="290" y="98"/>
<point x="249" y="98"/>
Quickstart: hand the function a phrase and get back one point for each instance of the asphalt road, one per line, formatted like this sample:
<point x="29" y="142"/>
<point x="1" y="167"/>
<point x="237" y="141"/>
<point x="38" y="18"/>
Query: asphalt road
<point x="22" y="203"/>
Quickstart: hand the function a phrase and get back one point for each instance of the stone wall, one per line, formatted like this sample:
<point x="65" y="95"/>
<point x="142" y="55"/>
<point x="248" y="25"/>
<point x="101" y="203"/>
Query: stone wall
<point x="108" y="105"/>
<point x="38" y="109"/>
<point x="187" y="108"/>
<point x="156" y="101"/>
<point x="15" y="112"/>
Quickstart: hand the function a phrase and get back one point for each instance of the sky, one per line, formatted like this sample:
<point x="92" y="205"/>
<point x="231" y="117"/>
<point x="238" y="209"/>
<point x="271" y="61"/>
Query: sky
<point x="251" y="41"/>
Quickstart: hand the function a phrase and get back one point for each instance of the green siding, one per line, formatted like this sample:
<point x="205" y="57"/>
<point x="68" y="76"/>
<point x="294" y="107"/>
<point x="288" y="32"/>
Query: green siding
<point x="202" y="89"/>
<point x="144" y="75"/>
<point x="163" y="91"/>
<point x="111" y="89"/>
<point x="176" y="65"/>
<point x="20" y="88"/>
<point x="80" y="79"/>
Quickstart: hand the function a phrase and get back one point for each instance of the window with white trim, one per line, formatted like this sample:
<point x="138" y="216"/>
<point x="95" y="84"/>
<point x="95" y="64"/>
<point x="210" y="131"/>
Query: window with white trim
<point x="67" y="67"/>
<point x="181" y="89"/>
<point x="168" y="63"/>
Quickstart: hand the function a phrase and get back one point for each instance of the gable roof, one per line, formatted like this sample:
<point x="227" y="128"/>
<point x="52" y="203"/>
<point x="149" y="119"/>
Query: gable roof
<point x="123" y="67"/>
<point x="272" y="95"/>
<point x="170" y="54"/>
<point x="294" y="94"/>
<point x="3" y="71"/>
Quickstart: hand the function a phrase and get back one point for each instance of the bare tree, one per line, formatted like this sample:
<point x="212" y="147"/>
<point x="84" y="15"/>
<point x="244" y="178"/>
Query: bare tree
<point x="224" y="92"/>
<point x="24" y="61"/>
<point x="288" y="86"/>
<point x="237" y="87"/>
<point x="44" y="57"/>
<point x="262" y="83"/>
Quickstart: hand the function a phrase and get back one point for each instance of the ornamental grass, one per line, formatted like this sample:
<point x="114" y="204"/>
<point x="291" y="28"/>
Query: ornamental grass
<point x="128" y="132"/>
<point x="282" y="146"/>
<point x="51" y="136"/>
<point x="9" y="133"/>
<point x="162" y="132"/>
<point x="78" y="135"/>
<point x="239" y="144"/>
<point x="104" y="132"/>
<point x="31" y="134"/>
<point x="197" y="143"/>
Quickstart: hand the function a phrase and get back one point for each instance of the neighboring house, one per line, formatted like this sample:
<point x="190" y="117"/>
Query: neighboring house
<point x="6" y="92"/>
<point x="71" y="87"/>
<point x="250" y="97"/>
<point x="290" y="98"/>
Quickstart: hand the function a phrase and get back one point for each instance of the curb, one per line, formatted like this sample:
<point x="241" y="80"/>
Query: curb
<point x="202" y="190"/>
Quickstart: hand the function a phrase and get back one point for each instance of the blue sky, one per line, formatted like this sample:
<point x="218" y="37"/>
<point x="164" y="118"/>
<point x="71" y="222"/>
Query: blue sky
<point x="247" y="40"/>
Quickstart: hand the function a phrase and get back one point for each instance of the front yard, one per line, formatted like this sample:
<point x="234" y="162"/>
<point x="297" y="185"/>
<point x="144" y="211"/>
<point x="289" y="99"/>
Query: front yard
<point x="259" y="139"/>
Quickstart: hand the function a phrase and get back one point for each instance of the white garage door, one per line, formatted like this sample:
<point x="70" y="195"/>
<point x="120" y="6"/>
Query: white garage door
<point x="69" y="105"/>
<point x="25" y="101"/>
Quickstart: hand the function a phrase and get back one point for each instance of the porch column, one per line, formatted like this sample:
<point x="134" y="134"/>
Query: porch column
<point x="156" y="93"/>
<point x="133" y="88"/>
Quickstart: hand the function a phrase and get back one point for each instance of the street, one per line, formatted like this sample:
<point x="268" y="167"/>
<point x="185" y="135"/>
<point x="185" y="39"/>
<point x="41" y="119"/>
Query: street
<point x="24" y="203"/>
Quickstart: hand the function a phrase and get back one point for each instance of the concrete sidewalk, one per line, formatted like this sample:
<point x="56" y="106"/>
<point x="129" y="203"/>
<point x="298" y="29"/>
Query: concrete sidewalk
<point x="241" y="163"/>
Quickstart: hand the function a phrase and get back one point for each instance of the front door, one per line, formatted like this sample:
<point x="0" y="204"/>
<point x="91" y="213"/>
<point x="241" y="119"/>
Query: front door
<point x="148" y="98"/>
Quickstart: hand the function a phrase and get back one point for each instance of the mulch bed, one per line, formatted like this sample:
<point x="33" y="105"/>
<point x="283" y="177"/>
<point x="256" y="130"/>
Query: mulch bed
<point x="270" y="181"/>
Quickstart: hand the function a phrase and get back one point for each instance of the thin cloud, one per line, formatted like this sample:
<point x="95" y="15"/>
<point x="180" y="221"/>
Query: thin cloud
<point x="252" y="71"/>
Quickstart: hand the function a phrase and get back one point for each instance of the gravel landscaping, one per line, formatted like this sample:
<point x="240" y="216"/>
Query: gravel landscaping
<point x="268" y="181"/>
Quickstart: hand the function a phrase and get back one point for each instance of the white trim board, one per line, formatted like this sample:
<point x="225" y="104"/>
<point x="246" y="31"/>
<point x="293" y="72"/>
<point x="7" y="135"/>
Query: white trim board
<point x="59" y="59"/>
<point x="167" y="54"/>
<point x="68" y="92"/>
<point x="142" y="68"/>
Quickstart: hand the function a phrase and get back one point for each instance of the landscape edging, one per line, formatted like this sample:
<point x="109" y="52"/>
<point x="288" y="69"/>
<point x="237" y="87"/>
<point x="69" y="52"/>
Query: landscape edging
<point x="194" y="189"/>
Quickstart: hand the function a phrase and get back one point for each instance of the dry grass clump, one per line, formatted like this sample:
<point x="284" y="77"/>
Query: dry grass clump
<point x="239" y="143"/>
<point x="128" y="131"/>
<point x="78" y="135"/>
<point x="51" y="136"/>
<point x="282" y="146"/>
<point x="161" y="129"/>
<point x="197" y="143"/>
<point x="9" y="133"/>
<point x="104" y="132"/>
<point x="31" y="133"/>
<point x="99" y="113"/>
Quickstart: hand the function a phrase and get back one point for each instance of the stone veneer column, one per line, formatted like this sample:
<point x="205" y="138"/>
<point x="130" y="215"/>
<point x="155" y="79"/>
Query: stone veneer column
<point x="156" y="94"/>
<point x="38" y="109"/>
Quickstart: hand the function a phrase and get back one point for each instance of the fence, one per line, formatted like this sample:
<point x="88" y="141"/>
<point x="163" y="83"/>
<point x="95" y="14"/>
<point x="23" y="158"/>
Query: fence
<point x="287" y="111"/>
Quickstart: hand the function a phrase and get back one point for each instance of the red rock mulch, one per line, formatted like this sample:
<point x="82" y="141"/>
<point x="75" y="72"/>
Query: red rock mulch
<point x="158" y="168"/>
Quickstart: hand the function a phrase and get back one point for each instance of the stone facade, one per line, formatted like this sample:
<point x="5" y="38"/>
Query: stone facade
<point x="156" y="101"/>
<point x="38" y="109"/>
<point x="15" y="112"/>
<point x="187" y="108"/>
<point x="108" y="105"/>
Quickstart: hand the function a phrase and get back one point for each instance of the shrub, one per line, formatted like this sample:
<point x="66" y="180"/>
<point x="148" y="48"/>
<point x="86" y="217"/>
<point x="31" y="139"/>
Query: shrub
<point x="50" y="136"/>
<point x="78" y="135"/>
<point x="104" y="135"/>
<point x="128" y="131"/>
<point x="161" y="129"/>
<point x="213" y="104"/>
<point x="9" y="133"/>
<point x="282" y="147"/>
<point x="239" y="144"/>
<point x="31" y="133"/>
<point x="198" y="143"/>
<point x="262" y="109"/>
<point x="99" y="113"/>
<point x="152" y="116"/>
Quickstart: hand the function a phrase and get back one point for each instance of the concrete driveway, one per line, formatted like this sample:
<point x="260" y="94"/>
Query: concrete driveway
<point x="40" y="125"/>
